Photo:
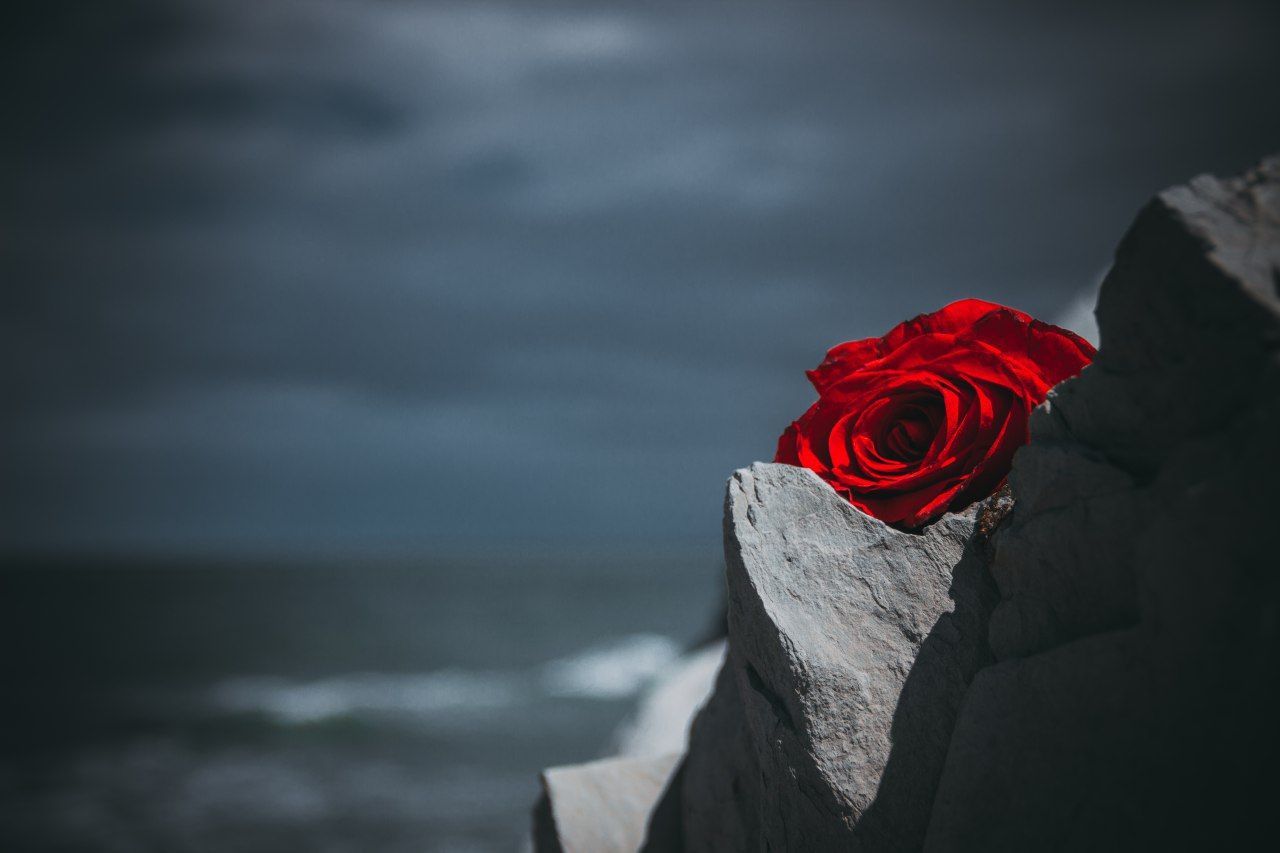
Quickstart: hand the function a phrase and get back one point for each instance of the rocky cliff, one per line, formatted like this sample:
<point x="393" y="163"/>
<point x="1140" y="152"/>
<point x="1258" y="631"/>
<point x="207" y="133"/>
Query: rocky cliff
<point x="1095" y="668"/>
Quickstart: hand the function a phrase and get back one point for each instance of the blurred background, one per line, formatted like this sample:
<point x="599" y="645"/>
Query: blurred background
<point x="372" y="370"/>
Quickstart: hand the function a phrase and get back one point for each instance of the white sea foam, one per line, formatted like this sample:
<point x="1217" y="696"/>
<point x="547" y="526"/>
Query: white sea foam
<point x="660" y="724"/>
<point x="613" y="671"/>
<point x="312" y="701"/>
<point x="616" y="670"/>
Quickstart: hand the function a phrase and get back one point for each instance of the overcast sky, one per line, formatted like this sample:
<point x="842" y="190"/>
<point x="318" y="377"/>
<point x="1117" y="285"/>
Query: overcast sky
<point x="295" y="275"/>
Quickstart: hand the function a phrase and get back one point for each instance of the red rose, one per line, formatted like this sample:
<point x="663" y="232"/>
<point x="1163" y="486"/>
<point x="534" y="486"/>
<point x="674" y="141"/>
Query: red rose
<point x="926" y="419"/>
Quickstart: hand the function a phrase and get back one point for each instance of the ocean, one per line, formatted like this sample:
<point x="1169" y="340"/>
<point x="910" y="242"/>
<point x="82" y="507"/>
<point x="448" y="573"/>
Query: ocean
<point x="360" y="705"/>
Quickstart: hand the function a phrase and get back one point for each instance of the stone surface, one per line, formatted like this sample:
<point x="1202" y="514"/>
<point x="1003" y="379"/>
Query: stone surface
<point x="599" y="807"/>
<point x="850" y="647"/>
<point x="607" y="805"/>
<point x="1122" y="693"/>
<point x="1134" y="703"/>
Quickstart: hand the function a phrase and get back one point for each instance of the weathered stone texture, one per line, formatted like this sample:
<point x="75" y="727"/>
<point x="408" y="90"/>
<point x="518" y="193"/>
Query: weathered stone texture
<point x="1122" y="693"/>
<point x="1138" y="573"/>
<point x="851" y="644"/>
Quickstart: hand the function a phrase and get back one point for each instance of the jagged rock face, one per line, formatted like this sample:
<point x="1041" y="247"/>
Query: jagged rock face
<point x="1138" y="621"/>
<point x="851" y="645"/>
<point x="1121" y="694"/>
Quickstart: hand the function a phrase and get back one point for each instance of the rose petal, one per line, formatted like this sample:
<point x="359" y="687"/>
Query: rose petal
<point x="928" y="418"/>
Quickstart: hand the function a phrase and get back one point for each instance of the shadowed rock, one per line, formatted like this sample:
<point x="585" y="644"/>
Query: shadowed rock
<point x="1122" y="693"/>
<point x="850" y="646"/>
<point x="1138" y="621"/>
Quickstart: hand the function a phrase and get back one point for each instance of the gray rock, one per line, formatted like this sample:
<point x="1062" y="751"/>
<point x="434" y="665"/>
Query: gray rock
<point x="719" y="810"/>
<point x="1126" y="696"/>
<point x="850" y="647"/>
<point x="609" y="805"/>
<point x="1139" y="620"/>
<point x="599" y="807"/>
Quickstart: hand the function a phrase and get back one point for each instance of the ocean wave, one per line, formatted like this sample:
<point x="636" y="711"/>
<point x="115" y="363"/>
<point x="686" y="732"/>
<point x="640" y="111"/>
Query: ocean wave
<point x="313" y="701"/>
<point x="612" y="671"/>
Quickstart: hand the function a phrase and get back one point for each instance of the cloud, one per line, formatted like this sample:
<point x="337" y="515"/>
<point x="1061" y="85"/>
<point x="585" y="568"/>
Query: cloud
<point x="428" y="270"/>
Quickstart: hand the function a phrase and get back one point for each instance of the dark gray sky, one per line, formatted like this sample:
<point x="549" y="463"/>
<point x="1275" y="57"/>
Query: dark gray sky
<point x="404" y="274"/>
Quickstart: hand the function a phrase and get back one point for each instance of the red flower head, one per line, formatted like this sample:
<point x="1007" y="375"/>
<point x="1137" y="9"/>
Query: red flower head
<point x="926" y="419"/>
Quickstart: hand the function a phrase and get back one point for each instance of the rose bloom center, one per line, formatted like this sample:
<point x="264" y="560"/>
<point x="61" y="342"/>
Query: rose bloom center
<point x="908" y="439"/>
<point x="908" y="427"/>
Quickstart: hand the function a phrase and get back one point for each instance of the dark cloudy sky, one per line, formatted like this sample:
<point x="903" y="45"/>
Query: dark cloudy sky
<point x="405" y="274"/>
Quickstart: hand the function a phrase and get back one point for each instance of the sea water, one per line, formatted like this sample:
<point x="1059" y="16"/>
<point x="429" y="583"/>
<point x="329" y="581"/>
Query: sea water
<point x="333" y="706"/>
